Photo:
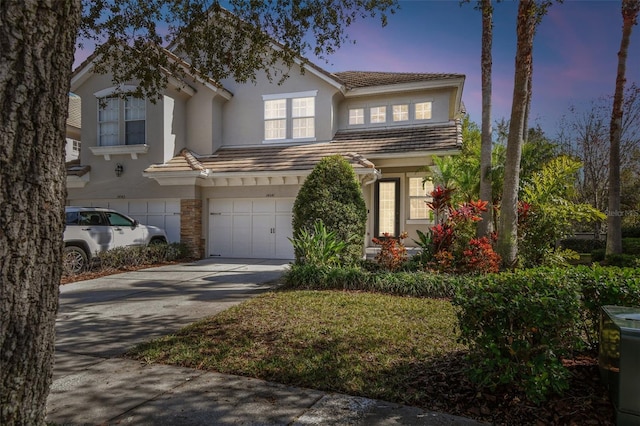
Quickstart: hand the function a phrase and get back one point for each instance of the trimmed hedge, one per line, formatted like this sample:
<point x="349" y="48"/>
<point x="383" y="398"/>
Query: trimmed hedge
<point x="518" y="325"/>
<point x="581" y="245"/>
<point x="419" y="284"/>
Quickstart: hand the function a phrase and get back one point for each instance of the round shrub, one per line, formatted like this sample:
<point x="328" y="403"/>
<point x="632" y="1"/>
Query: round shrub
<point x="331" y="193"/>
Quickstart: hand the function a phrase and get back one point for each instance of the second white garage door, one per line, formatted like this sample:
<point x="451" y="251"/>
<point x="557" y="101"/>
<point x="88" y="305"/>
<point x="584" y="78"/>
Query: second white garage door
<point x="251" y="228"/>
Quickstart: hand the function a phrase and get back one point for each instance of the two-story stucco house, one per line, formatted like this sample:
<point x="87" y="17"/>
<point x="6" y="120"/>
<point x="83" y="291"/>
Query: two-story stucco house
<point x="219" y="164"/>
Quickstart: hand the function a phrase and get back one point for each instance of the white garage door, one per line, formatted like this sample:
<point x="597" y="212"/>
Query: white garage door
<point x="251" y="228"/>
<point x="164" y="214"/>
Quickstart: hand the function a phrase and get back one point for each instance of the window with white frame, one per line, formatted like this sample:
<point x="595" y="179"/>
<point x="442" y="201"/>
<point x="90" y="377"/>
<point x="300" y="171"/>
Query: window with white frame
<point x="126" y="117"/>
<point x="401" y="112"/>
<point x="356" y="116"/>
<point x="418" y="197"/>
<point x="290" y="116"/>
<point x="134" y="117"/>
<point x="378" y="114"/>
<point x="109" y="122"/>
<point x="423" y="111"/>
<point x="275" y="119"/>
<point x="303" y="113"/>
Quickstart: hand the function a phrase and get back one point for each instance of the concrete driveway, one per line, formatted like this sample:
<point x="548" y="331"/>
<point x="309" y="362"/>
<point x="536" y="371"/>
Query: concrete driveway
<point x="101" y="319"/>
<point x="106" y="316"/>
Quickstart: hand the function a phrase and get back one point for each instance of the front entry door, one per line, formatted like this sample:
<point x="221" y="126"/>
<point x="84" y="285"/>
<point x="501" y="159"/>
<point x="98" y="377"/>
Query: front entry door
<point x="387" y="207"/>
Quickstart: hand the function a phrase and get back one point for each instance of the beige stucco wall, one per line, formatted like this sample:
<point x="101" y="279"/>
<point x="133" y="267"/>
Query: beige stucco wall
<point x="243" y="115"/>
<point x="441" y="99"/>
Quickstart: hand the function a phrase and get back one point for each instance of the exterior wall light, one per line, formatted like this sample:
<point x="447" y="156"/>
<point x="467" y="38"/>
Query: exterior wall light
<point x="119" y="169"/>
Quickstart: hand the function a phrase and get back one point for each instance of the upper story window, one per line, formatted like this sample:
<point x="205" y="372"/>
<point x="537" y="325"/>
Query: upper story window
<point x="391" y="114"/>
<point x="356" y="116"/>
<point x="423" y="111"/>
<point x="289" y="117"/>
<point x="378" y="114"/>
<point x="401" y="112"/>
<point x="121" y="121"/>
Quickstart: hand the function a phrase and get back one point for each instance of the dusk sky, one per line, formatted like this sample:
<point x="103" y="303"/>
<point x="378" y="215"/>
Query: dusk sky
<point x="575" y="52"/>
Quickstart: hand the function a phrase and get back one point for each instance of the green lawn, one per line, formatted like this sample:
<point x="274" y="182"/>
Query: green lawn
<point x="365" y="344"/>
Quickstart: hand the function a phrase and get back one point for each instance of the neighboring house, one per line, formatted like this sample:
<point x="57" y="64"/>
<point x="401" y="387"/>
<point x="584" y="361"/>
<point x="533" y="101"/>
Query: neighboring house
<point x="74" y="123"/>
<point x="218" y="164"/>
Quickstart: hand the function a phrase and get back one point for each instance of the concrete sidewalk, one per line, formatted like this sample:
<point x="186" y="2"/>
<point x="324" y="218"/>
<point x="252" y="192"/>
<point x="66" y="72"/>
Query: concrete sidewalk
<point x="100" y="319"/>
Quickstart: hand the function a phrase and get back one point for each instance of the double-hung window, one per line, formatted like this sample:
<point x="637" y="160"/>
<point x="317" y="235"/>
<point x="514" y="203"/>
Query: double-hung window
<point x="121" y="121"/>
<point x="418" y="209"/>
<point x="290" y="117"/>
<point x="108" y="122"/>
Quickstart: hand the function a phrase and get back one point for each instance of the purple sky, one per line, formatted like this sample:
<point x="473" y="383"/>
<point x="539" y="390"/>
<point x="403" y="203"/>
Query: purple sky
<point x="575" y="52"/>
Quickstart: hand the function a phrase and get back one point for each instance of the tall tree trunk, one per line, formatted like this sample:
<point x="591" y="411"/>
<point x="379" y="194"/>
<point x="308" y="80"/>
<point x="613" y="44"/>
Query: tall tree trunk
<point x="527" y="109"/>
<point x="485" y="226"/>
<point x="508" y="223"/>
<point x="614" y="219"/>
<point x="37" y="42"/>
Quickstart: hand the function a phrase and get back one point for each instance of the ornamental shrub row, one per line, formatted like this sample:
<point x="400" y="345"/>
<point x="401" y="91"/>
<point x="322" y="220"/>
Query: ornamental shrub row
<point x="418" y="284"/>
<point x="518" y="325"/>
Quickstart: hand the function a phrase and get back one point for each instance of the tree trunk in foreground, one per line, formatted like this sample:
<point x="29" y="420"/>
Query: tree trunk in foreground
<point x="37" y="39"/>
<point x="485" y="226"/>
<point x="508" y="223"/>
<point x="614" y="217"/>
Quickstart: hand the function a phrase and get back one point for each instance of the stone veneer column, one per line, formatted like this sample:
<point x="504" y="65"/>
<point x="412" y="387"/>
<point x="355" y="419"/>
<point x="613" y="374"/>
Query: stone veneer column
<point x="191" y="226"/>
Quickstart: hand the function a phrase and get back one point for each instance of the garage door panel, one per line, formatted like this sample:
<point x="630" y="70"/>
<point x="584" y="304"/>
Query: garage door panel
<point x="284" y="231"/>
<point x="264" y="206"/>
<point x="254" y="230"/>
<point x="284" y="206"/>
<point x="220" y="241"/>
<point x="242" y="206"/>
<point x="164" y="214"/>
<point x="241" y="236"/>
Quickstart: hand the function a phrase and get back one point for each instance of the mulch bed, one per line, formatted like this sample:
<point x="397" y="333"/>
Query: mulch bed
<point x="449" y="391"/>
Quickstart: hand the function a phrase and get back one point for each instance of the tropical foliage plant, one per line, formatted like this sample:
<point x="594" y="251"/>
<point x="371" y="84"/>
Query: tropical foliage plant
<point x="319" y="246"/>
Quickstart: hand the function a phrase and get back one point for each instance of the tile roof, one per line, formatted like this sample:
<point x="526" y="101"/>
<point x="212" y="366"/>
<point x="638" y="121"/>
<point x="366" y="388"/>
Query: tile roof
<point x="356" y="146"/>
<point x="356" y="79"/>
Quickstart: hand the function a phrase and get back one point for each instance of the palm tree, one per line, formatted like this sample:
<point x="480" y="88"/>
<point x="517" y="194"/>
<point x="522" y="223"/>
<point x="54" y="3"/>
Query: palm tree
<point x="530" y="13"/>
<point x="630" y="10"/>
<point x="485" y="226"/>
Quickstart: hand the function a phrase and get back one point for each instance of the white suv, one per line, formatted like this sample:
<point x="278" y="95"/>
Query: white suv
<point x="91" y="230"/>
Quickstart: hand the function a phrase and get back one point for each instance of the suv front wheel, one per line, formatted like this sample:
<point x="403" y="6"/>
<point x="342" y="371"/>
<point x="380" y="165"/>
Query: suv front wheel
<point x="75" y="260"/>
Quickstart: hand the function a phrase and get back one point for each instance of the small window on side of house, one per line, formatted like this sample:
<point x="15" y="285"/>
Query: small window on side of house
<point x="423" y="111"/>
<point x="401" y="112"/>
<point x="378" y="114"/>
<point x="356" y="116"/>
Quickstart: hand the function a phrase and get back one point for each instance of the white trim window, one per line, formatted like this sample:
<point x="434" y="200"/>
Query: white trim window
<point x="121" y="117"/>
<point x="418" y="197"/>
<point x="378" y="114"/>
<point x="423" y="110"/>
<point x="356" y="116"/>
<point x="134" y="121"/>
<point x="290" y="117"/>
<point x="275" y="119"/>
<point x="401" y="112"/>
<point x="109" y="122"/>
<point x="303" y="113"/>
